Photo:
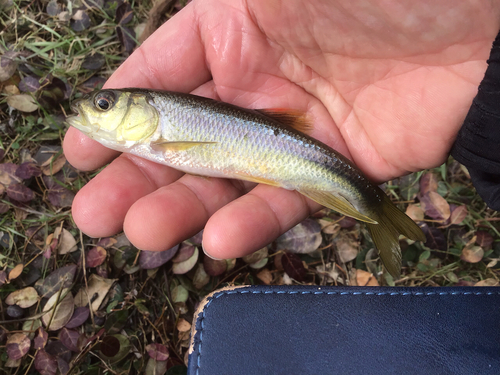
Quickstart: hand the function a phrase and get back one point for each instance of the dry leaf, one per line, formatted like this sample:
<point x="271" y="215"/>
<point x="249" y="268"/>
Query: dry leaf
<point x="60" y="315"/>
<point x="67" y="243"/>
<point x="183" y="325"/>
<point x="415" y="212"/>
<point x="22" y="102"/>
<point x="487" y="282"/>
<point x="51" y="166"/>
<point x="23" y="298"/>
<point x="472" y="254"/>
<point x="265" y="276"/>
<point x="98" y="287"/>
<point x="435" y="206"/>
<point x="16" y="271"/>
<point x="366" y="278"/>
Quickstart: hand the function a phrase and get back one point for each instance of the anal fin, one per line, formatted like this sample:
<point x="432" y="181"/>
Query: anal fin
<point x="337" y="203"/>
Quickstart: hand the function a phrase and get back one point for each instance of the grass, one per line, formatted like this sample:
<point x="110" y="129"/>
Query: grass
<point x="142" y="303"/>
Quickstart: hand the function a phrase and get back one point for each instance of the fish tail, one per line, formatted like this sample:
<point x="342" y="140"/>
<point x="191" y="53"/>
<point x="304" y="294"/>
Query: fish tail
<point x="391" y="223"/>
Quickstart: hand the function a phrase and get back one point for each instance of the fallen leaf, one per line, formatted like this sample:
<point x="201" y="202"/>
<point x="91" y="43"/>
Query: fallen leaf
<point x="95" y="256"/>
<point x="8" y="65"/>
<point x="214" y="267"/>
<point x="11" y="90"/>
<point x="8" y="174"/>
<point x="200" y="278"/>
<point x="18" y="346"/>
<point x="293" y="266"/>
<point x="435" y="238"/>
<point x="98" y="288"/>
<point x="179" y="294"/>
<point x="22" y="102"/>
<point x="126" y="38"/>
<point x="70" y="339"/>
<point x="472" y="254"/>
<point x="303" y="238"/>
<point x="487" y="282"/>
<point x="45" y="363"/>
<point x="157" y="351"/>
<point x="256" y="256"/>
<point x="93" y="62"/>
<point x="346" y="247"/>
<point x="154" y="259"/>
<point x="80" y="21"/>
<point x="366" y="278"/>
<point x="408" y="186"/>
<point x="53" y="165"/>
<point x="265" y="276"/>
<point x="16" y="271"/>
<point x="29" y="84"/>
<point x="435" y="206"/>
<point x="458" y="214"/>
<point x="185" y="266"/>
<point x="183" y="325"/>
<point x="185" y="252"/>
<point x="27" y="170"/>
<point x="23" y="298"/>
<point x="80" y="316"/>
<point x="67" y="243"/>
<point x="20" y="193"/>
<point x="107" y="242"/>
<point x="415" y="212"/>
<point x="115" y="348"/>
<point x="41" y="338"/>
<point x="484" y="239"/>
<point x="60" y="278"/>
<point x="60" y="315"/>
<point x="428" y="183"/>
<point x="53" y="8"/>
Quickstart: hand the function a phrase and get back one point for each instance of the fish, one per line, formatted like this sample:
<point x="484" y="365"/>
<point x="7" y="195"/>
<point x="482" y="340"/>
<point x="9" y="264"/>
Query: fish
<point x="206" y="137"/>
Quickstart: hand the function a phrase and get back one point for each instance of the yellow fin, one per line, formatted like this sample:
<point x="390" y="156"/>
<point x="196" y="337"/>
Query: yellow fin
<point x="291" y="118"/>
<point x="257" y="180"/>
<point x="385" y="235"/>
<point x="337" y="203"/>
<point x="176" y="146"/>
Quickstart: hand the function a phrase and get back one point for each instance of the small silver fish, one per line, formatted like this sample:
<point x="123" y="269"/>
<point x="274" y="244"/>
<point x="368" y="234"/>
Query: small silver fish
<point x="211" y="138"/>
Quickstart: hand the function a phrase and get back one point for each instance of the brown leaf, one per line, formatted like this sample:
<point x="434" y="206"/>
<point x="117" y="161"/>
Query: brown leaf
<point x="472" y="254"/>
<point x="154" y="259"/>
<point x="200" y="278"/>
<point x="53" y="165"/>
<point x="415" y="212"/>
<point x="185" y="252"/>
<point x="346" y="247"/>
<point x="18" y="345"/>
<point x="70" y="339"/>
<point x="22" y="102"/>
<point x="23" y="298"/>
<point x="16" y="271"/>
<point x="67" y="243"/>
<point x="265" y="276"/>
<point x="60" y="278"/>
<point x="366" y="278"/>
<point x="256" y="256"/>
<point x="435" y="206"/>
<point x="487" y="282"/>
<point x="484" y="239"/>
<point x="8" y="174"/>
<point x="27" y="170"/>
<point x="60" y="315"/>
<point x="458" y="214"/>
<point x="98" y="288"/>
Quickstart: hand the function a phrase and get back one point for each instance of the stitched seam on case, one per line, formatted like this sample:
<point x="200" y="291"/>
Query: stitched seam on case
<point x="198" y="357"/>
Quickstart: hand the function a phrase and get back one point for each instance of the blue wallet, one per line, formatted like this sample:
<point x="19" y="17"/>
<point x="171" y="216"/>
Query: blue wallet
<point x="347" y="330"/>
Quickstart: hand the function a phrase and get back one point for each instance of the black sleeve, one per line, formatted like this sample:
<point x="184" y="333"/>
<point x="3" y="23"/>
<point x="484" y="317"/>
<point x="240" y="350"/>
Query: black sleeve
<point x="478" y="142"/>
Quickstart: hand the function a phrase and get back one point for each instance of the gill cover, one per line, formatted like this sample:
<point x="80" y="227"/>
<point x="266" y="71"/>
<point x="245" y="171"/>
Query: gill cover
<point x="115" y="115"/>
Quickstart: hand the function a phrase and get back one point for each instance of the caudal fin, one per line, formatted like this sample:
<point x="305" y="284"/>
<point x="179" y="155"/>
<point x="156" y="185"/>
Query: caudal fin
<point x="391" y="223"/>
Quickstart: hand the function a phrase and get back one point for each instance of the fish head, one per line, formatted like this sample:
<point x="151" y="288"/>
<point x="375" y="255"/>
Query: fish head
<point x="110" y="116"/>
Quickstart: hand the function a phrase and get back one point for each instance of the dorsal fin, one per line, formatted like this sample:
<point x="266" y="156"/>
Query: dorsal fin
<point x="288" y="117"/>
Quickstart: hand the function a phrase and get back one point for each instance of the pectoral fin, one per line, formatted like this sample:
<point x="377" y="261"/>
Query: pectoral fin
<point x="176" y="146"/>
<point x="337" y="203"/>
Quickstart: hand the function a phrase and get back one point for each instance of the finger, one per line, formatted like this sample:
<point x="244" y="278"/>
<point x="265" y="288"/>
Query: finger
<point x="172" y="58"/>
<point x="173" y="213"/>
<point x="254" y="220"/>
<point x="100" y="207"/>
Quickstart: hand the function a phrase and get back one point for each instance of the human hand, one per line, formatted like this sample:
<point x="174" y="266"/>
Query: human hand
<point x="385" y="84"/>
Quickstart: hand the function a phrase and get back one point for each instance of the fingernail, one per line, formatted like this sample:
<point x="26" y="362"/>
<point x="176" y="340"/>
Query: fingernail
<point x="207" y="254"/>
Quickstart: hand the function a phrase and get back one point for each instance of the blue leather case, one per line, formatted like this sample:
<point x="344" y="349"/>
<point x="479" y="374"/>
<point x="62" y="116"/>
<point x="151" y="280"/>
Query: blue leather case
<point x="347" y="330"/>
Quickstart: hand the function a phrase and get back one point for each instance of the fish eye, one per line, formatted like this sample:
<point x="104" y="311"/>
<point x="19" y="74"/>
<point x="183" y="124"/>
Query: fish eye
<point x="104" y="100"/>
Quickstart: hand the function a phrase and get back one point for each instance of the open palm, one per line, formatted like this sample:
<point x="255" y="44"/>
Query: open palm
<point x="385" y="84"/>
